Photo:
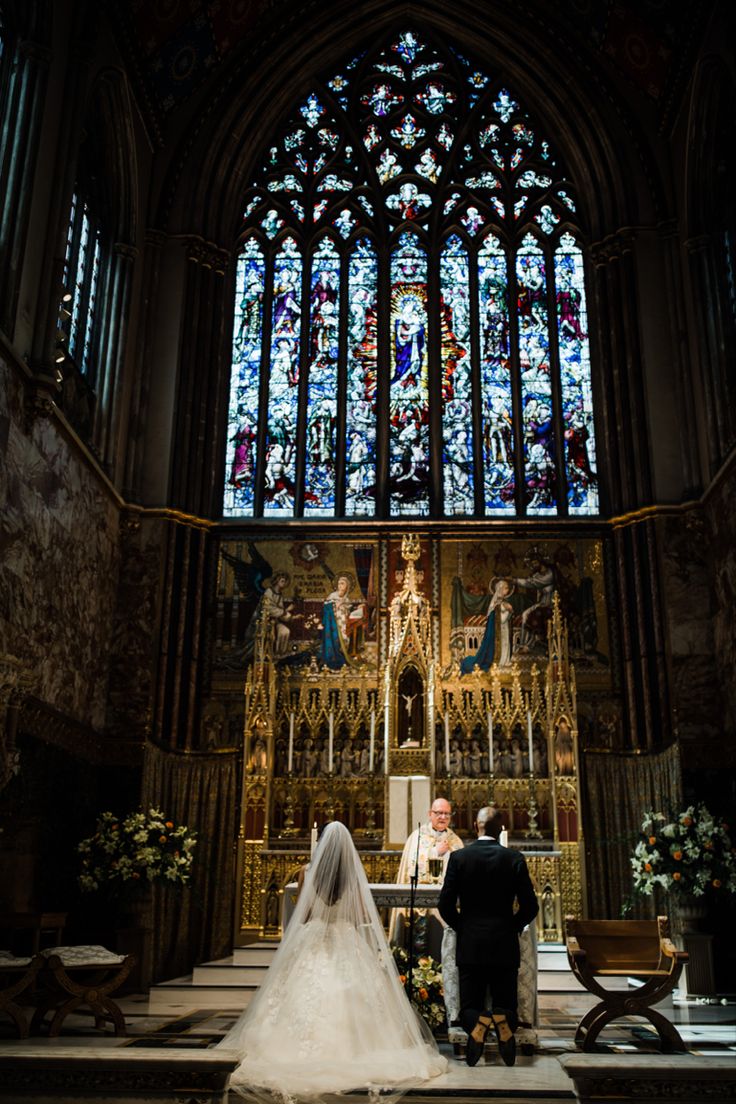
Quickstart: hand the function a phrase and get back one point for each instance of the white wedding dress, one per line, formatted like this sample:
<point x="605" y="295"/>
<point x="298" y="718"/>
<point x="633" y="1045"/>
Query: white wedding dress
<point x="332" y="1014"/>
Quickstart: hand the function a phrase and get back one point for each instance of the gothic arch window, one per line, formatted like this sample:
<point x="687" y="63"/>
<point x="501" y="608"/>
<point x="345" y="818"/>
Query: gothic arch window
<point x="410" y="332"/>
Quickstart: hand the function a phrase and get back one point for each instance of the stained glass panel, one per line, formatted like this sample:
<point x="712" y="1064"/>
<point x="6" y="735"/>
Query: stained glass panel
<point x="360" y="495"/>
<point x="495" y="374"/>
<point x="243" y="408"/>
<point x="457" y="398"/>
<point x="409" y="392"/>
<point x="577" y="395"/>
<point x="536" y="381"/>
<point x="283" y="392"/>
<point x="324" y="320"/>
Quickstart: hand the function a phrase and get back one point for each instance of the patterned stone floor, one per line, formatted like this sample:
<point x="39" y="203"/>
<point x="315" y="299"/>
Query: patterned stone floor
<point x="706" y="1028"/>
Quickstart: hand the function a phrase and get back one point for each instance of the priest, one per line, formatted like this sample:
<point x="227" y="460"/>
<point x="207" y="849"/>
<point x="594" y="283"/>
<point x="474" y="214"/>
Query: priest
<point x="434" y="839"/>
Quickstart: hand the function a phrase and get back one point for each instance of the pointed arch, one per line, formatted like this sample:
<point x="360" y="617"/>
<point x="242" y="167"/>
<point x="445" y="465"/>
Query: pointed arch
<point x="413" y="143"/>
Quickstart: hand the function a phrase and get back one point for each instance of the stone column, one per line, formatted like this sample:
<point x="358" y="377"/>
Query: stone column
<point x="112" y="351"/>
<point x="637" y="595"/>
<point x="18" y="154"/>
<point x="204" y="375"/>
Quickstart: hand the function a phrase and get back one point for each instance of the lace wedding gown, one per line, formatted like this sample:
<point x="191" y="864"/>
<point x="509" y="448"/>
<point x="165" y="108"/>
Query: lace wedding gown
<point x="332" y="1014"/>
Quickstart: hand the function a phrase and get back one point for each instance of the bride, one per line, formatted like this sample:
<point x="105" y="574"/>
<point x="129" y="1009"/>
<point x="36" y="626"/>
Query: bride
<point x="332" y="1014"/>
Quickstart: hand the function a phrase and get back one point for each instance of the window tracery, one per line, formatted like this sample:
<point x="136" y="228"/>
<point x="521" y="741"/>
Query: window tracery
<point x="410" y="286"/>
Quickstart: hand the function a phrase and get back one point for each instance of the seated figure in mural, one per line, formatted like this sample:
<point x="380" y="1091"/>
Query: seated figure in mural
<point x="338" y="612"/>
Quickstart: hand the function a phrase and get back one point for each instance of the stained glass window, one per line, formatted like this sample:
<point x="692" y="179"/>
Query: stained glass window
<point x="410" y="327"/>
<point x="80" y="278"/>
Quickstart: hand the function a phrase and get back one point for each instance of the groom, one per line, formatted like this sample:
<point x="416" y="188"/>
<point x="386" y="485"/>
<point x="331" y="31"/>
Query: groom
<point x="486" y="878"/>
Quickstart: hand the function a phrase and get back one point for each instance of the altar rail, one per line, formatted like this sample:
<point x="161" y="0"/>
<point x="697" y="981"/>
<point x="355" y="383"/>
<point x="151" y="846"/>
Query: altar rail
<point x="267" y="874"/>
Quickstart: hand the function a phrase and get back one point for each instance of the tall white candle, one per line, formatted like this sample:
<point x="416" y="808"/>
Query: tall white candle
<point x="447" y="744"/>
<point x="503" y="838"/>
<point x="372" y="745"/>
<point x="330" y="741"/>
<point x="531" y="744"/>
<point x="490" y="741"/>
<point x="291" y="743"/>
<point x="313" y="840"/>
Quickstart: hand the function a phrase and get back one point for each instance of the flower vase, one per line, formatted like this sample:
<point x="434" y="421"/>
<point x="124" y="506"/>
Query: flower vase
<point x="690" y="915"/>
<point x="134" y="936"/>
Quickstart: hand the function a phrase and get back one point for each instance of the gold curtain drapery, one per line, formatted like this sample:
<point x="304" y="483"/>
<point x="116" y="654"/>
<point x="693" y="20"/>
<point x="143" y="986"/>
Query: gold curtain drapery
<point x="199" y="790"/>
<point x="619" y="788"/>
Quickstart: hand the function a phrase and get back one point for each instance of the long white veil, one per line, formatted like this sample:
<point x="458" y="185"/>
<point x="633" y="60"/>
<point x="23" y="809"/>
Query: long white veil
<point x="332" y="1014"/>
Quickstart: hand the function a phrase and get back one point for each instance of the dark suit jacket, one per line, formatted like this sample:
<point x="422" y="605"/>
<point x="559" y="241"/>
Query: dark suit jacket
<point x="486" y="878"/>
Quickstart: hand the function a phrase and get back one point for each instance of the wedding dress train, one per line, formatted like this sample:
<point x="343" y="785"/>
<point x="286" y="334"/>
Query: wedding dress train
<point x="332" y="1014"/>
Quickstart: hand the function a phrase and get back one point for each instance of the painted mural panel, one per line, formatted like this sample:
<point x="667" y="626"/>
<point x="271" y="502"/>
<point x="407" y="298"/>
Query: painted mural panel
<point x="496" y="602"/>
<point x="319" y="599"/>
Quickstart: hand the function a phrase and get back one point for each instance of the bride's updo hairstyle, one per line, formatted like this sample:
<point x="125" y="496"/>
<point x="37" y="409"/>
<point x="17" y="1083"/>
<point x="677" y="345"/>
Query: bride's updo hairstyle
<point x="328" y="865"/>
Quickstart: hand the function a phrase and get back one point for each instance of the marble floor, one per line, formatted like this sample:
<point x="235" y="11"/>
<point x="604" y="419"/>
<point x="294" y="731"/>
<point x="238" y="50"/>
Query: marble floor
<point x="708" y="1031"/>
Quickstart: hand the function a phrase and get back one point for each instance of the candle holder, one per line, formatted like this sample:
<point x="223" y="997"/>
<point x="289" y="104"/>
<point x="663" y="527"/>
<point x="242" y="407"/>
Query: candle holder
<point x="330" y="806"/>
<point x="491" y="788"/>
<point x="532" y="831"/>
<point x="370" y="818"/>
<point x="289" y="830"/>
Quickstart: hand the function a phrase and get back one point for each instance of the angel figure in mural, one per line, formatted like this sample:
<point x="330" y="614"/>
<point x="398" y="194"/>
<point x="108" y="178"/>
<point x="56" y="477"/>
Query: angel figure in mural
<point x="499" y="612"/>
<point x="257" y="582"/>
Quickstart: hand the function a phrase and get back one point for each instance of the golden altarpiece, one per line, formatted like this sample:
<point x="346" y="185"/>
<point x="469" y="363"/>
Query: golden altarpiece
<point x="322" y="744"/>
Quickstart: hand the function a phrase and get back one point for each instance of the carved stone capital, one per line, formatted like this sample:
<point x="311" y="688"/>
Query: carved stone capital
<point x="208" y="255"/>
<point x="124" y="251"/>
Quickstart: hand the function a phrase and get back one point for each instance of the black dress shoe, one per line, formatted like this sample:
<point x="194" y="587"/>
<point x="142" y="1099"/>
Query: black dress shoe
<point x="505" y="1036"/>
<point x="477" y="1040"/>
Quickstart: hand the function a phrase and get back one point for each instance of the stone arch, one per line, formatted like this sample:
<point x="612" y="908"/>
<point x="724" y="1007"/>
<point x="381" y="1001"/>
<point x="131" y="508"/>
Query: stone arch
<point x="259" y="87"/>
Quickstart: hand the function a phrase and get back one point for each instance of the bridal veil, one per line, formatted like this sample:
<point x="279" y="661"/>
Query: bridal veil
<point x="332" y="1014"/>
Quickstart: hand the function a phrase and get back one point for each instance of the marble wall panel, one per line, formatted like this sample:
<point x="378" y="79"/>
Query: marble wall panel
<point x="722" y="544"/>
<point x="59" y="559"/>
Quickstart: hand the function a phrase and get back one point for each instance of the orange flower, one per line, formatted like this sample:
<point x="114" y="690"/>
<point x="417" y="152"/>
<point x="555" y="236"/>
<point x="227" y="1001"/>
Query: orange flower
<point x="647" y="867"/>
<point x="676" y="876"/>
<point x="717" y="883"/>
<point x="135" y="874"/>
<point x="708" y="845"/>
<point x="423" y="994"/>
<point x="652" y="840"/>
<point x="687" y="821"/>
<point x="402" y="979"/>
<point x="169" y="824"/>
<point x="162" y="839"/>
<point x="114" y="827"/>
<point x="677" y="855"/>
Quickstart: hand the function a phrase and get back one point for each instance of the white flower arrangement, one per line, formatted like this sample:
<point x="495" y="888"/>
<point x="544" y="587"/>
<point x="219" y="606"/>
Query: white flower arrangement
<point x="143" y="848"/>
<point x="691" y="855"/>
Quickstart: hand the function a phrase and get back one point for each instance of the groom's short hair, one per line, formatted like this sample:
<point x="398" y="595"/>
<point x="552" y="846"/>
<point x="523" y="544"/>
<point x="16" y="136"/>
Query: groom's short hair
<point x="489" y="820"/>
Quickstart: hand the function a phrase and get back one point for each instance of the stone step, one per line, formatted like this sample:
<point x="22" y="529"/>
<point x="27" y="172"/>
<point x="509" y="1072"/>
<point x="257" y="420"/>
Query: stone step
<point x="181" y="995"/>
<point x="255" y="954"/>
<point x="229" y="983"/>
<point x="229" y="971"/>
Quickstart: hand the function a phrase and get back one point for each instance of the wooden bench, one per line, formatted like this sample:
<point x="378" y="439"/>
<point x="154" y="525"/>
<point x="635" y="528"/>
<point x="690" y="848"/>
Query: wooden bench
<point x="624" y="948"/>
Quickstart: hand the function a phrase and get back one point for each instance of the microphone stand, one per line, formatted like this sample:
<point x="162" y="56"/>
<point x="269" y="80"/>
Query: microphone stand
<point x="413" y="882"/>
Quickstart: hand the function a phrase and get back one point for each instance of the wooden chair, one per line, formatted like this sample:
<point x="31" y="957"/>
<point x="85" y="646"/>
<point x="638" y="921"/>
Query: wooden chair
<point x="77" y="976"/>
<point x="624" y="948"/>
<point x="17" y="976"/>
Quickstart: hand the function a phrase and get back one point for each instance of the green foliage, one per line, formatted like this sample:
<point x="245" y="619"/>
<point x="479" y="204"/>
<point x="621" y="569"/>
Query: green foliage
<point x="689" y="856"/>
<point x="143" y="848"/>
